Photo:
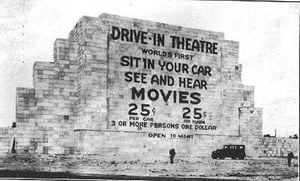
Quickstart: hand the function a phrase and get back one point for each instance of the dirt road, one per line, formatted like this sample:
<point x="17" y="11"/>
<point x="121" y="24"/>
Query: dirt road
<point x="248" y="169"/>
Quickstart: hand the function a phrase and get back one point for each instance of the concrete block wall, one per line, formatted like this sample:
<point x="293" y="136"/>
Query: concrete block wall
<point x="92" y="81"/>
<point x="137" y="145"/>
<point x="251" y="130"/>
<point x="280" y="146"/>
<point x="76" y="98"/>
<point x="26" y="102"/>
<point x="47" y="113"/>
<point x="227" y="91"/>
<point x="6" y="140"/>
<point x="59" y="97"/>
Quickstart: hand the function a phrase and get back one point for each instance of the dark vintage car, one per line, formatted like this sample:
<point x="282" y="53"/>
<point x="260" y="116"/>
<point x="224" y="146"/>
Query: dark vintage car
<point x="233" y="151"/>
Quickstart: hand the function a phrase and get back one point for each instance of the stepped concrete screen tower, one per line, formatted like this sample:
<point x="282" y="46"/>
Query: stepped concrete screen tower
<point x="127" y="87"/>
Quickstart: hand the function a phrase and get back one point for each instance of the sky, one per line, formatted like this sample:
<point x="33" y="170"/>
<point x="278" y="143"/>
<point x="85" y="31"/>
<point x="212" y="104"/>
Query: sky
<point x="268" y="34"/>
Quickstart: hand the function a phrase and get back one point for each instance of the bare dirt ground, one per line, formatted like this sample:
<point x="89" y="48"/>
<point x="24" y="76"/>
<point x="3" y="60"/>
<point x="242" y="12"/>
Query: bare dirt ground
<point x="248" y="169"/>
